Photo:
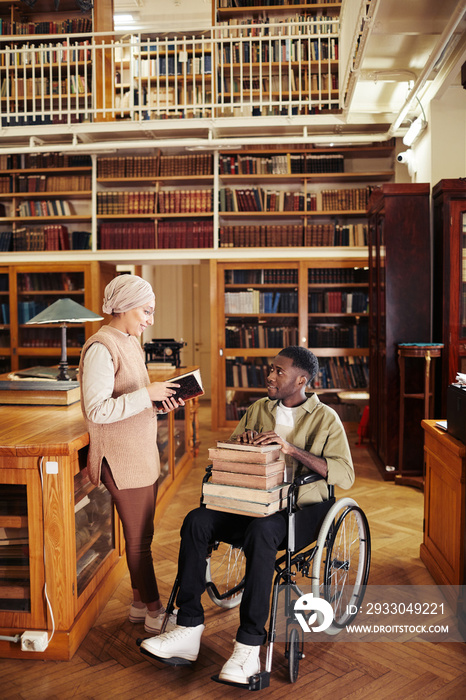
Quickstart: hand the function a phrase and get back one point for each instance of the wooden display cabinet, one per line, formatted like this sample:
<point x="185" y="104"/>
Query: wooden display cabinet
<point x="400" y="312"/>
<point x="449" y="292"/>
<point x="57" y="528"/>
<point x="259" y="308"/>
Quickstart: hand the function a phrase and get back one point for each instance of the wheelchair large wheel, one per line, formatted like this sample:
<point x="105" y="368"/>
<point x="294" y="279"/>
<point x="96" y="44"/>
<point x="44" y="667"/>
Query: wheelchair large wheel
<point x="341" y="564"/>
<point x="225" y="573"/>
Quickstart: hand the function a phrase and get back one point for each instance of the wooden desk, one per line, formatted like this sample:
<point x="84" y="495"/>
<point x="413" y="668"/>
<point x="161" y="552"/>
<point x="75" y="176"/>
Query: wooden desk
<point x="42" y="531"/>
<point x="442" y="550"/>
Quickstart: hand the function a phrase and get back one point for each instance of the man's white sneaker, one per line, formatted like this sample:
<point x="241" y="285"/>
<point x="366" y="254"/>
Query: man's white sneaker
<point x="180" y="643"/>
<point x="154" y="624"/>
<point x="242" y="664"/>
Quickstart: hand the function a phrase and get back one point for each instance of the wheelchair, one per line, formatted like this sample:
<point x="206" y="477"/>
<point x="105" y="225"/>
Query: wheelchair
<point x="327" y="543"/>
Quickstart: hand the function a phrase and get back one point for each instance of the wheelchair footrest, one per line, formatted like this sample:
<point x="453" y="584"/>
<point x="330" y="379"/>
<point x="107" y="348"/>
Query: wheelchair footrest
<point x="256" y="682"/>
<point x="172" y="661"/>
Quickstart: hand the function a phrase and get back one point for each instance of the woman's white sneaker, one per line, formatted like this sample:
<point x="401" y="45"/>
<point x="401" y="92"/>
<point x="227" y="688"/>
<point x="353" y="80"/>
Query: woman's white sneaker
<point x="180" y="643"/>
<point x="242" y="664"/>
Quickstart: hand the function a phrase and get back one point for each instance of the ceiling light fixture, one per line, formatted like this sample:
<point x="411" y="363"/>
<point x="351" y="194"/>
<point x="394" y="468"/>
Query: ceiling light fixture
<point x="414" y="131"/>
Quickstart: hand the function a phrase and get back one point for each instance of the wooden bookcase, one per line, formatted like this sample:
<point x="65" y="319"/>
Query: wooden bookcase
<point x="259" y="308"/>
<point x="449" y="293"/>
<point x="5" y="342"/>
<point x="161" y="72"/>
<point x="35" y="286"/>
<point x="400" y="312"/>
<point x="47" y="200"/>
<point x="315" y="197"/>
<point x="171" y="196"/>
<point x="312" y="71"/>
<point x="63" y="80"/>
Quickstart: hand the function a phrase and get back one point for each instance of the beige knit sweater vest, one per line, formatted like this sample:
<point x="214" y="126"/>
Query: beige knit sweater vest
<point x="129" y="445"/>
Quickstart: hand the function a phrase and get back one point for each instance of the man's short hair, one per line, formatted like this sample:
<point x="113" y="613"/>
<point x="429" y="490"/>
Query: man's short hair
<point x="303" y="359"/>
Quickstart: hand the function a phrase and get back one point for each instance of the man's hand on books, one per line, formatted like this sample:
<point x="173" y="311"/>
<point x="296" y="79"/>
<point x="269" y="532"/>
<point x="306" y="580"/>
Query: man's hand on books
<point x="163" y="392"/>
<point x="252" y="437"/>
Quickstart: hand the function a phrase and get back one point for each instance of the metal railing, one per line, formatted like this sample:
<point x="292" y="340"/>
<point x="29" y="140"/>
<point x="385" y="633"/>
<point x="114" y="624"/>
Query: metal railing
<point x="283" y="68"/>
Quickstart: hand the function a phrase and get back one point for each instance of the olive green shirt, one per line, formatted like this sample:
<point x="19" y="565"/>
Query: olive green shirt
<point x="318" y="430"/>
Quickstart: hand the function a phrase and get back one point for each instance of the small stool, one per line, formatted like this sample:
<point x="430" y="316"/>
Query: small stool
<point x="428" y="351"/>
<point x="361" y="400"/>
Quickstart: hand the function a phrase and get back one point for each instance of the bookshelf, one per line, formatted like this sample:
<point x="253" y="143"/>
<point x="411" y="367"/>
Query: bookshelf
<point x="38" y="78"/>
<point x="400" y="312"/>
<point x="46" y="202"/>
<point x="35" y="286"/>
<point x="310" y="198"/>
<point x="254" y="75"/>
<point x="155" y="74"/>
<point x="175" y="206"/>
<point x="259" y="308"/>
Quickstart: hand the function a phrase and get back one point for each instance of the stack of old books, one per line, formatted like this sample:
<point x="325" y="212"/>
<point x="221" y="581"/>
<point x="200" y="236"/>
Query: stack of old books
<point x="246" y="479"/>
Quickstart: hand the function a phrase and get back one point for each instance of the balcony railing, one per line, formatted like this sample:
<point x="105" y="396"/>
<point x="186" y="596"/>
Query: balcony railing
<point x="289" y="68"/>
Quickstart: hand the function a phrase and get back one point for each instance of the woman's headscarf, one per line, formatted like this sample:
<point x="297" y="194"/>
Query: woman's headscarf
<point x="126" y="292"/>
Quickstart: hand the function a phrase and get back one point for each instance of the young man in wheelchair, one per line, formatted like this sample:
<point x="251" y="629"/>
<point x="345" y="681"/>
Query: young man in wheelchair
<point x="312" y="439"/>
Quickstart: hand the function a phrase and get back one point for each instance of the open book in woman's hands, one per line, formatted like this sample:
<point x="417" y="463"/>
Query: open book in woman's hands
<point x="190" y="386"/>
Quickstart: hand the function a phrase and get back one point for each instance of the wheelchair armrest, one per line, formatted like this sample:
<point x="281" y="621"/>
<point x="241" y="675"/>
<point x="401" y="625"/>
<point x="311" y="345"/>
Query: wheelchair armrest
<point x="302" y="481"/>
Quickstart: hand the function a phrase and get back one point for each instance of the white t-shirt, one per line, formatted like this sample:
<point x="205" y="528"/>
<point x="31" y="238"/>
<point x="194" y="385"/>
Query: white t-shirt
<point x="284" y="426"/>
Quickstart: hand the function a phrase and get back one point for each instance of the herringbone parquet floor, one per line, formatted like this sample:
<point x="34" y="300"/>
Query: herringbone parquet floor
<point x="109" y="666"/>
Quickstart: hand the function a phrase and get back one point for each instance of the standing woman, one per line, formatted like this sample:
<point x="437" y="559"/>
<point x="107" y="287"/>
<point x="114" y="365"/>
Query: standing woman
<point x="117" y="402"/>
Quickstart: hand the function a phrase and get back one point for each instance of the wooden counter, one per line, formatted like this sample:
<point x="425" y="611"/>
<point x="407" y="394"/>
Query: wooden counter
<point x="442" y="550"/>
<point x="62" y="530"/>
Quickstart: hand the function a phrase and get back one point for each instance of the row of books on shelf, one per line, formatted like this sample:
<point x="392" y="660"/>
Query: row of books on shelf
<point x="127" y="235"/>
<point x="271" y="110"/>
<point x="4" y="313"/>
<point x="351" y="372"/>
<point x="184" y="201"/>
<point x="185" y="234"/>
<point x="190" y="164"/>
<point x="280" y="82"/>
<point x="128" y="166"/>
<point x="338" y="302"/>
<point x="48" y="237"/>
<point x="281" y="50"/>
<point x="265" y="200"/>
<point x="29" y="309"/>
<point x="338" y="335"/>
<point x="332" y="234"/>
<point x="260" y="236"/>
<point x="40" y="337"/>
<point x="31" y="161"/>
<point x="254" y="301"/>
<point x="171" y="65"/>
<point x="270" y="3"/>
<point x="126" y="202"/>
<point x="352" y="199"/>
<point x="60" y="52"/>
<point x="44" y="207"/>
<point x="282" y="164"/>
<point x="50" y="281"/>
<point x="42" y="86"/>
<point x="50" y="183"/>
<point x="338" y="275"/>
<point x="256" y="335"/>
<point x="72" y="25"/>
<point x="342" y="373"/>
<point x="268" y="276"/>
<point x="263" y="25"/>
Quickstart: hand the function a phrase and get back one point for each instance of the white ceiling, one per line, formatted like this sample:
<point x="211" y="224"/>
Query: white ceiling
<point x="403" y="37"/>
